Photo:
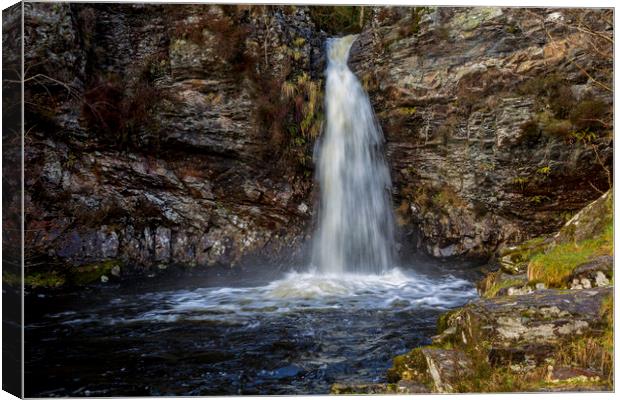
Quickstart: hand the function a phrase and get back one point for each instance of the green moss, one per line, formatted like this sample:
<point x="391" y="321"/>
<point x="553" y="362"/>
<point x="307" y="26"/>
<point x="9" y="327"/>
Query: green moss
<point x="443" y="322"/>
<point x="410" y="366"/>
<point x="538" y="199"/>
<point x="299" y="42"/>
<point x="520" y="181"/>
<point x="91" y="273"/>
<point x="556" y="265"/>
<point x="44" y="280"/>
<point x="406" y="111"/>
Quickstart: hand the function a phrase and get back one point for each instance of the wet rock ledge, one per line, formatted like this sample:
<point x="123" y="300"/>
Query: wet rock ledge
<point x="544" y="321"/>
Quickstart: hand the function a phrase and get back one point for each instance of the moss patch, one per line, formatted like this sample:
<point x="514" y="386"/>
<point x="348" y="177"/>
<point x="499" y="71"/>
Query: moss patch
<point x="91" y="273"/>
<point x="410" y="366"/>
<point x="44" y="280"/>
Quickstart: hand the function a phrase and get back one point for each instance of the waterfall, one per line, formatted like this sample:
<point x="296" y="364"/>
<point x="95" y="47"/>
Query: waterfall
<point x="355" y="222"/>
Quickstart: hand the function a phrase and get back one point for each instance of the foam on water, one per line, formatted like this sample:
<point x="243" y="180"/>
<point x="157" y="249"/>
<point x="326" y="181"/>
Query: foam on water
<point x="303" y="292"/>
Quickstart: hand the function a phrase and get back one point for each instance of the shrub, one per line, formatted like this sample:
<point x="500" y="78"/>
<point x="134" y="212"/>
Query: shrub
<point x="520" y="181"/>
<point x="554" y="91"/>
<point x="230" y="34"/>
<point x="590" y="115"/>
<point x="339" y="20"/>
<point x="559" y="128"/>
<point x="118" y="109"/>
<point x="530" y="131"/>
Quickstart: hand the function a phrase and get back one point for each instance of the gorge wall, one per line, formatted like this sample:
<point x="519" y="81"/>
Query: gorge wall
<point x="498" y="121"/>
<point x="160" y="134"/>
<point x="155" y="132"/>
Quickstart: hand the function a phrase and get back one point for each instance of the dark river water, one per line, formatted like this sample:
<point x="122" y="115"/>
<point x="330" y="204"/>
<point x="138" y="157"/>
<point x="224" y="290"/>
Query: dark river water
<point x="288" y="333"/>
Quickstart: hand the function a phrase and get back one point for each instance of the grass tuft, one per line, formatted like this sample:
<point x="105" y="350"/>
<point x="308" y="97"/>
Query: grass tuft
<point x="555" y="266"/>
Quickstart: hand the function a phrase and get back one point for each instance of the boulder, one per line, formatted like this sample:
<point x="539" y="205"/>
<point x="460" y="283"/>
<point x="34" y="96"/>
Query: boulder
<point x="436" y="369"/>
<point x="528" y="327"/>
<point x="588" y="222"/>
<point x="599" y="270"/>
<point x="447" y="367"/>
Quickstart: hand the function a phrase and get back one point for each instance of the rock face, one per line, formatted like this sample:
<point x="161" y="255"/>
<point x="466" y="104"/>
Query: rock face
<point x="162" y="134"/>
<point x="153" y="132"/>
<point x="481" y="108"/>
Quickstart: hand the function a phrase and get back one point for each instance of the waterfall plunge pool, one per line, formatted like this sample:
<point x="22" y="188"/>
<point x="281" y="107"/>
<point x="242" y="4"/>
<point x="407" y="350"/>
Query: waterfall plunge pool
<point x="297" y="333"/>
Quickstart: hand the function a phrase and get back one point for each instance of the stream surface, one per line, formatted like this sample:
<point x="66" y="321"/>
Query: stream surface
<point x="293" y="333"/>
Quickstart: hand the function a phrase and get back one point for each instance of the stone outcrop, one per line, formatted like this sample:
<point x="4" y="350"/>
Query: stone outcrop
<point x="147" y="139"/>
<point x="541" y="318"/>
<point x="523" y="333"/>
<point x="469" y="100"/>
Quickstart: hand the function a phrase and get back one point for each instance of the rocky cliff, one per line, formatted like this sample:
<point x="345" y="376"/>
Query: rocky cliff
<point x="155" y="133"/>
<point x="498" y="121"/>
<point x="161" y="134"/>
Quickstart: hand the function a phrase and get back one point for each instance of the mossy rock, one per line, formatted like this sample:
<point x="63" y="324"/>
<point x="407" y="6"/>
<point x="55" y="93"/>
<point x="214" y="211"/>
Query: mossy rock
<point x="91" y="273"/>
<point x="48" y="280"/>
<point x="591" y="221"/>
<point x="431" y="367"/>
<point x="497" y="283"/>
<point x="444" y="320"/>
<point x="411" y="366"/>
<point x="514" y="260"/>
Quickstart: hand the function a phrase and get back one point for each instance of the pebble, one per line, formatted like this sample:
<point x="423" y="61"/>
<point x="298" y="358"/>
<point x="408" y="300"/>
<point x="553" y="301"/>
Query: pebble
<point x="104" y="279"/>
<point x="600" y="279"/>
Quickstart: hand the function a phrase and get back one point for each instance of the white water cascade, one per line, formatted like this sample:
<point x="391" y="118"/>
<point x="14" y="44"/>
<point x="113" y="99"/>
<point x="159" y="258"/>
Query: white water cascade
<point x="355" y="226"/>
